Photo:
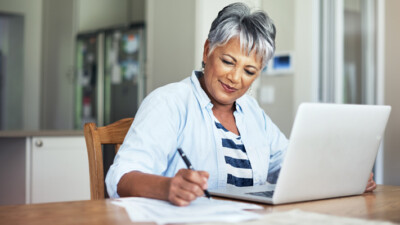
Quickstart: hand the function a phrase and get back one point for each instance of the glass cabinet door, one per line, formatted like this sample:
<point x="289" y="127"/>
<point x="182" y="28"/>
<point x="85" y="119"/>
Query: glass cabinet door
<point x="124" y="73"/>
<point x="86" y="97"/>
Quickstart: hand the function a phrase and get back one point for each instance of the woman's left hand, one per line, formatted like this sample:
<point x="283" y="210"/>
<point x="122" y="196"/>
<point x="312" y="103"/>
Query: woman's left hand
<point x="371" y="185"/>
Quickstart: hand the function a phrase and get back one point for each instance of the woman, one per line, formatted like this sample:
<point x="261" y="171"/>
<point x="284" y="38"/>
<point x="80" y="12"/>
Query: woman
<point x="226" y="135"/>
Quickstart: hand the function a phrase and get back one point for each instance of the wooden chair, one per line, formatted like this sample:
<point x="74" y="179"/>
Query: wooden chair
<point x="95" y="137"/>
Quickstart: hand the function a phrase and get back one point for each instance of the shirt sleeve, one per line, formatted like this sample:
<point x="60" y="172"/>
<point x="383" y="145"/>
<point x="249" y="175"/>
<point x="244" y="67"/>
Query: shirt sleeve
<point x="150" y="141"/>
<point x="278" y="147"/>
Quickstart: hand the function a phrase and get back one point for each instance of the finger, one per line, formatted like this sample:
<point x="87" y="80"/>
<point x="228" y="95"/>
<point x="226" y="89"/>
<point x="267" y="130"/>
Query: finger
<point x="370" y="183"/>
<point x="374" y="186"/>
<point x="192" y="188"/>
<point x="204" y="174"/>
<point x="371" y="186"/>
<point x="176" y="200"/>
<point x="195" y="177"/>
<point x="188" y="195"/>
<point x="177" y="195"/>
<point x="183" y="182"/>
<point x="367" y="189"/>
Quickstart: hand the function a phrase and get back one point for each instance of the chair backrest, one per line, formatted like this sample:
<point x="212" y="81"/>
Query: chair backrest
<point x="95" y="137"/>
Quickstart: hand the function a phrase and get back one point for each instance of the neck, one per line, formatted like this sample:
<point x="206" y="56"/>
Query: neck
<point x="217" y="107"/>
<point x="223" y="109"/>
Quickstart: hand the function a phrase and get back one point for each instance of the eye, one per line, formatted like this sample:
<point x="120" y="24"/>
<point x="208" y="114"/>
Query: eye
<point x="249" y="72"/>
<point x="227" y="62"/>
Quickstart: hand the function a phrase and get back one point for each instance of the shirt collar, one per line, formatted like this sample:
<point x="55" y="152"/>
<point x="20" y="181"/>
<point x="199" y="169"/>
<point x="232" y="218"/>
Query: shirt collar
<point x="203" y="98"/>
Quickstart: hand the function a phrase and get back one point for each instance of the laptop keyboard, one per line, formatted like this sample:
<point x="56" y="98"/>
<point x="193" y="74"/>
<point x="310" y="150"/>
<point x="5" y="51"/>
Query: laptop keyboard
<point x="267" y="194"/>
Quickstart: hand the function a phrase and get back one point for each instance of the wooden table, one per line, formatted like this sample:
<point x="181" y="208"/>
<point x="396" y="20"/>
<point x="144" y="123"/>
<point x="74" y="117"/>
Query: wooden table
<point x="382" y="204"/>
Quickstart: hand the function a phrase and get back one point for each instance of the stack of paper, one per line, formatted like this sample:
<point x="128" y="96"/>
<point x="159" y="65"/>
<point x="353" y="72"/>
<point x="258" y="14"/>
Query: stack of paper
<point x="300" y="217"/>
<point x="200" y="210"/>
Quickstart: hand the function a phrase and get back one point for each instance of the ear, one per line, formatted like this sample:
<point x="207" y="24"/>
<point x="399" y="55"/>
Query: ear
<point x="206" y="50"/>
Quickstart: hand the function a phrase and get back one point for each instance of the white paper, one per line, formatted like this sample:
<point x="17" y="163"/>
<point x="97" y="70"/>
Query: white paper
<point x="300" y="217"/>
<point x="200" y="210"/>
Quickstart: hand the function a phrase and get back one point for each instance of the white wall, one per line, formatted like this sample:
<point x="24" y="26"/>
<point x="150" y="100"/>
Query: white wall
<point x="306" y="44"/>
<point x="95" y="14"/>
<point x="170" y="43"/>
<point x="392" y="93"/>
<point x="32" y="12"/>
<point x="281" y="109"/>
<point x="137" y="11"/>
<point x="57" y="92"/>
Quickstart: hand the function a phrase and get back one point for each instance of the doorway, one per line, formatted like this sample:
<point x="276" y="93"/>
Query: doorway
<point x="11" y="71"/>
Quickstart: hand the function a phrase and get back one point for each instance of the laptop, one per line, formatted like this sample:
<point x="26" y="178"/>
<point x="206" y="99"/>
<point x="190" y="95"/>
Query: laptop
<point x="331" y="153"/>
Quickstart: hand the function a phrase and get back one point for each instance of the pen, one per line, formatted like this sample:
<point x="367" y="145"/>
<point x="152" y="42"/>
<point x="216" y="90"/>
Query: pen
<point x="189" y="166"/>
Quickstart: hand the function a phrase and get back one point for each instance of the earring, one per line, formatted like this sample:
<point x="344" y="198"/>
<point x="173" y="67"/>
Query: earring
<point x="250" y="91"/>
<point x="202" y="66"/>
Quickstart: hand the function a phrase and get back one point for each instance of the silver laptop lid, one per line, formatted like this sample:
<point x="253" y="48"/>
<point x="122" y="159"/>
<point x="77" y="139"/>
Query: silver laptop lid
<point x="331" y="151"/>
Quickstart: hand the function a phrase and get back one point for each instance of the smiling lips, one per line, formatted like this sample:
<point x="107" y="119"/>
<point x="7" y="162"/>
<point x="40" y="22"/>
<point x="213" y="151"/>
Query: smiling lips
<point x="228" y="88"/>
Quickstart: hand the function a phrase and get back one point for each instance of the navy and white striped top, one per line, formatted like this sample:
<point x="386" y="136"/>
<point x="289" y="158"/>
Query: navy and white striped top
<point x="238" y="165"/>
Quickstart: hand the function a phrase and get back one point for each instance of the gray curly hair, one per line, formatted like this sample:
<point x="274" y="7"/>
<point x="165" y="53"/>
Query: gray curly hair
<point x="256" y="31"/>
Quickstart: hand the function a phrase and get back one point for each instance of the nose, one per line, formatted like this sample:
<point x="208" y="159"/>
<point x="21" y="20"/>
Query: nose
<point x="234" y="76"/>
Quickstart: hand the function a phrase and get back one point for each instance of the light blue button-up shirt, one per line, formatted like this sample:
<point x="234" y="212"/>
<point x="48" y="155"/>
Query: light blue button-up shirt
<point x="179" y="115"/>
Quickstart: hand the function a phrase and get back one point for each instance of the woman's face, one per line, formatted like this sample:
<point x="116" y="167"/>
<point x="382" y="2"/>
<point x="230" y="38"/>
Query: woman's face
<point x="228" y="72"/>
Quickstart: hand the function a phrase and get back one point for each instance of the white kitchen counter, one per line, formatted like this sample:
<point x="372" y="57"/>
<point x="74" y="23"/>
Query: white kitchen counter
<point x="25" y="133"/>
<point x="43" y="166"/>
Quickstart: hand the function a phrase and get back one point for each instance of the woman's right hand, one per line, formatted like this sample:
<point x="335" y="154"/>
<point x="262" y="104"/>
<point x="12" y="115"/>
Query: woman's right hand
<point x="186" y="186"/>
